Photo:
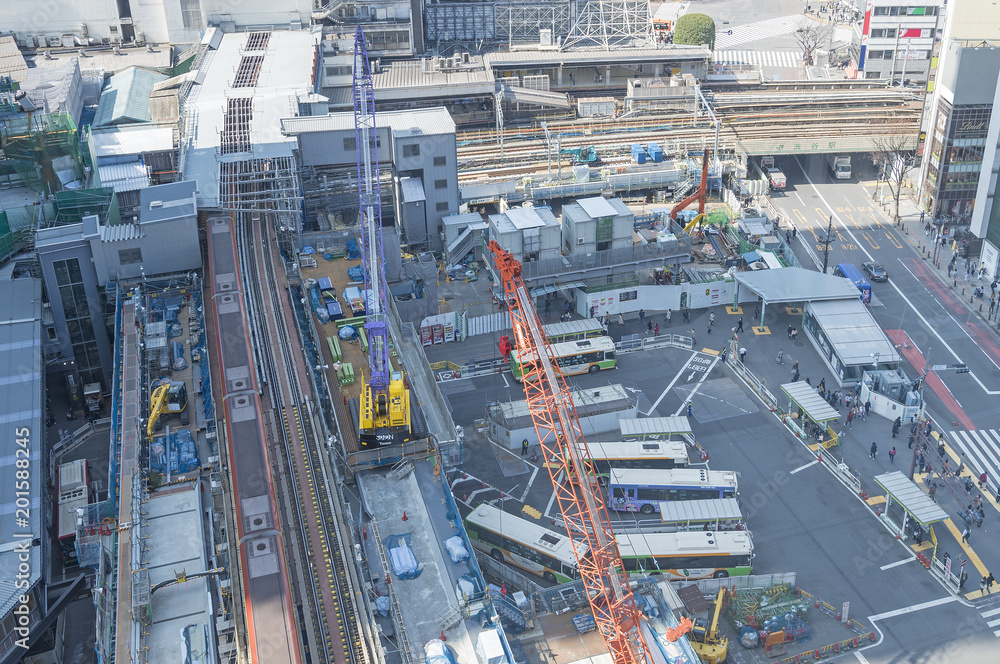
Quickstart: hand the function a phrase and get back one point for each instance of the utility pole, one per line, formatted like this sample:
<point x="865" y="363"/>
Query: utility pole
<point x="826" y="248"/>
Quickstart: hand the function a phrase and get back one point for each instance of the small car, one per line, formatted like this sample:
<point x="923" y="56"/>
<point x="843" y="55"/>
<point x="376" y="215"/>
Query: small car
<point x="875" y="271"/>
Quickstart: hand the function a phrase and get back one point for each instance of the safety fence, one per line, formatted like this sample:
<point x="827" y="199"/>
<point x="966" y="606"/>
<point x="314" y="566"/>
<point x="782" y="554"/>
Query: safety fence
<point x="114" y="291"/>
<point x="862" y="635"/>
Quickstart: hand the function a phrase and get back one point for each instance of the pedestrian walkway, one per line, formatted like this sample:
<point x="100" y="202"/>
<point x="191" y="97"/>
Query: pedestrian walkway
<point x="982" y="449"/>
<point x="992" y="618"/>
<point x="788" y="59"/>
<point x="759" y="30"/>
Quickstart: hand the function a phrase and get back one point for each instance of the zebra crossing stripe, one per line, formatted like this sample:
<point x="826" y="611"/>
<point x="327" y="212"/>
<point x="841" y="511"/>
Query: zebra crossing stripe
<point x="987" y="614"/>
<point x="981" y="452"/>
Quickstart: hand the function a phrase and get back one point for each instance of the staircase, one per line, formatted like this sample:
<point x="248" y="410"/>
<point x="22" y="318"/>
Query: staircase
<point x="681" y="192"/>
<point x="450" y="617"/>
<point x="463" y="244"/>
<point x="513" y="618"/>
<point x="400" y="470"/>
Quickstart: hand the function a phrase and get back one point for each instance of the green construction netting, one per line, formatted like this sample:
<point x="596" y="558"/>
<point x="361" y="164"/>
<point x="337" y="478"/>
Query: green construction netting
<point x="75" y="204"/>
<point x="44" y="150"/>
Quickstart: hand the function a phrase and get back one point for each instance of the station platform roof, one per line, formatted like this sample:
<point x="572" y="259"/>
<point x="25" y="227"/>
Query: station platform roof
<point x="432" y="78"/>
<point x="796" y="284"/>
<point x="911" y="498"/>
<point x="594" y="56"/>
<point x="857" y="337"/>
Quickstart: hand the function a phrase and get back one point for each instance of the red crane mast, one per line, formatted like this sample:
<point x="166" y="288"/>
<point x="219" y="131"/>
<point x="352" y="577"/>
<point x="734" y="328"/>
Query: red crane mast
<point x="579" y="498"/>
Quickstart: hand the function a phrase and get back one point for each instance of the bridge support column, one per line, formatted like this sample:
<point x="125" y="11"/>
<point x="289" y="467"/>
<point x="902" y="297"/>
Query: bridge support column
<point x="559" y="73"/>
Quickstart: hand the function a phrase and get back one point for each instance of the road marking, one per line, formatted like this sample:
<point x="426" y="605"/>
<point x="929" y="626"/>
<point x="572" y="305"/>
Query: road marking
<point x="811" y="463"/>
<point x="697" y="386"/>
<point x="987" y="614"/>
<point x="993" y="623"/>
<point x="896" y="564"/>
<point x="673" y="382"/>
<point x="973" y="558"/>
<point x="930" y="327"/>
<point x="911" y="609"/>
<point x="861" y="658"/>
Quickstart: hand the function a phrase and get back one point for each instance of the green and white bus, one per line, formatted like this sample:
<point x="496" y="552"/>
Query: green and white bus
<point x="522" y="543"/>
<point x="688" y="555"/>
<point x="573" y="357"/>
<point x="645" y="455"/>
<point x="573" y="330"/>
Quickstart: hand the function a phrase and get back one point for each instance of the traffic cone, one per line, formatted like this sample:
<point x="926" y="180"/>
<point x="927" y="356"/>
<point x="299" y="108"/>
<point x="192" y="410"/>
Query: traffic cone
<point x="443" y="638"/>
<point x="819" y="457"/>
<point x="405" y="518"/>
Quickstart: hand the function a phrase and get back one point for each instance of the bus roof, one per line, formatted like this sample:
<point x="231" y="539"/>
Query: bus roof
<point x="654" y="426"/>
<point x="578" y="346"/>
<point x="71" y="476"/>
<point x="684" y="511"/>
<point x="539" y="537"/>
<point x="689" y="542"/>
<point x="579" y="326"/>
<point x="638" y="449"/>
<point x="672" y="477"/>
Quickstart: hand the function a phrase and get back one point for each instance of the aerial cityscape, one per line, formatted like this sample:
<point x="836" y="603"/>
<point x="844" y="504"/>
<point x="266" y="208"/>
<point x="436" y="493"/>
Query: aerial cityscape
<point x="499" y="332"/>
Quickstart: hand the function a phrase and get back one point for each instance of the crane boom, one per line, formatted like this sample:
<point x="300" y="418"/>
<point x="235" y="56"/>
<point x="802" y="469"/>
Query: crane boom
<point x="385" y="400"/>
<point x="580" y="501"/>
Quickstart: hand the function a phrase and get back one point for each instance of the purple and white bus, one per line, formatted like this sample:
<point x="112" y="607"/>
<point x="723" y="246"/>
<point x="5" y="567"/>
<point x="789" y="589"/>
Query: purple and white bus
<point x="640" y="490"/>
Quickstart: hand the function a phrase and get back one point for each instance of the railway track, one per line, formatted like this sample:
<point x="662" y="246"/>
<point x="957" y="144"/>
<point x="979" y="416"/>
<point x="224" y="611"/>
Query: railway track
<point x="331" y="613"/>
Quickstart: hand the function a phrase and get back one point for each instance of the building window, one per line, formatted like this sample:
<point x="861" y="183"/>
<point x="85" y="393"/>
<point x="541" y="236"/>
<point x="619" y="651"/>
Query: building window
<point x="412" y="150"/>
<point x="440" y="161"/>
<point x="440" y="184"/>
<point x="338" y="71"/>
<point x="79" y="325"/>
<point x="442" y="206"/>
<point x="129" y="256"/>
<point x="350" y="144"/>
<point x="191" y="13"/>
<point x="52" y="333"/>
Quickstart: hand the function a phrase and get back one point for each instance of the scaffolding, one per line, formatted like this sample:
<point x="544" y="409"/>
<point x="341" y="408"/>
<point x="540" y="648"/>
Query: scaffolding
<point x="521" y="22"/>
<point x="267" y="183"/>
<point x="42" y="149"/>
<point x="75" y="204"/>
<point x="611" y="24"/>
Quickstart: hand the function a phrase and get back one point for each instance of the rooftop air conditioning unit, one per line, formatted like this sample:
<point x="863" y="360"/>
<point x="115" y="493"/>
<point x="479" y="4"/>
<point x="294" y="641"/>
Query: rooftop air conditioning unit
<point x="155" y="204"/>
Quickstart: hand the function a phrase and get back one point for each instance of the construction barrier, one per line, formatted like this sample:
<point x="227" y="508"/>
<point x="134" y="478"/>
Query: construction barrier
<point x="831" y="649"/>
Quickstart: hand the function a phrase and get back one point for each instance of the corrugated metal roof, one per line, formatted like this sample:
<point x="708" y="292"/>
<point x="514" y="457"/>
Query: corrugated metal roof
<point x="11" y="61"/>
<point x="682" y="511"/>
<point x="426" y="121"/>
<point x="595" y="56"/>
<point x="911" y="497"/>
<point x="21" y="396"/>
<point x="853" y="332"/>
<point x="815" y="406"/>
<point x="128" y="140"/>
<point x="596" y="207"/>
<point x="126" y="97"/>
<point x="408" y="79"/>
<point x="120" y="232"/>
<point x="130" y="176"/>
<point x="649" y="427"/>
<point x="413" y="190"/>
<point x="796" y="284"/>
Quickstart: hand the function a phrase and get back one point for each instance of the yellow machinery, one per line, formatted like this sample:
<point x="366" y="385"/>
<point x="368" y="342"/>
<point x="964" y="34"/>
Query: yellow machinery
<point x="166" y="396"/>
<point x="694" y="222"/>
<point x="705" y="639"/>
<point x="385" y="414"/>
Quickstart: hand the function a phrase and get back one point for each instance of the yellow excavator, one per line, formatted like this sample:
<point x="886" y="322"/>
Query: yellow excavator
<point x="166" y="396"/>
<point x="710" y="646"/>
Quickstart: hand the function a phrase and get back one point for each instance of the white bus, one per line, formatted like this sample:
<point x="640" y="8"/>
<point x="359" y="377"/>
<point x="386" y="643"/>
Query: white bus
<point x="642" y="490"/>
<point x="573" y="357"/>
<point x="525" y="544"/>
<point x="688" y="555"/>
<point x="645" y="455"/>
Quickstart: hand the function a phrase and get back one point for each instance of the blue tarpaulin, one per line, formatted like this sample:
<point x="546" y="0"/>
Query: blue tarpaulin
<point x="751" y="257"/>
<point x="404" y="563"/>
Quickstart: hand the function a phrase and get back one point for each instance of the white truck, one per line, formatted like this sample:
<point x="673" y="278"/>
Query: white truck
<point x="840" y="166"/>
<point x="775" y="178"/>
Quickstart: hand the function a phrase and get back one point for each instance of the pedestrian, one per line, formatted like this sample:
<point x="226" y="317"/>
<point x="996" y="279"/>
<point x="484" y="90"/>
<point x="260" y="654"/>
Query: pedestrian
<point x="982" y="480"/>
<point x="789" y="331"/>
<point x="725" y="354"/>
<point x="669" y="314"/>
<point x="689" y="409"/>
<point x="982" y="586"/>
<point x="621" y="320"/>
<point x="892" y="455"/>
<point x="781" y="356"/>
<point x="918" y="534"/>
<point x="743" y="354"/>
<point x="962" y="579"/>
<point x="868" y="407"/>
<point x="932" y="491"/>
<point x="788" y="237"/>
<point x="965" y="535"/>
<point x="850" y="418"/>
<point x="795" y="377"/>
<point x="694" y="339"/>
<point x="895" y="426"/>
<point x="687" y="315"/>
<point x="873" y="452"/>
<point x="909" y="445"/>
<point x="989" y="583"/>
<point x="524" y="447"/>
<point x="656" y="329"/>
<point x="756" y="313"/>
<point x="649" y="325"/>
<point x="795" y="367"/>
<point x="739" y="325"/>
<point x="710" y="321"/>
<point x="642" y="315"/>
<point x="794" y="232"/>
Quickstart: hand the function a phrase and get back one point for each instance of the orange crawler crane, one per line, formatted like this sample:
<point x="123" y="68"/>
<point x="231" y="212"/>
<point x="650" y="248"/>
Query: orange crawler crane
<point x="565" y="449"/>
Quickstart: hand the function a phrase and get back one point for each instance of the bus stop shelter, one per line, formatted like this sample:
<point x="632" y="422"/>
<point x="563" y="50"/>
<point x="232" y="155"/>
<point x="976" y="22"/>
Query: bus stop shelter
<point x="654" y="428"/>
<point x="815" y="409"/>
<point x="791" y="285"/>
<point x="718" y="514"/>
<point x="916" y="504"/>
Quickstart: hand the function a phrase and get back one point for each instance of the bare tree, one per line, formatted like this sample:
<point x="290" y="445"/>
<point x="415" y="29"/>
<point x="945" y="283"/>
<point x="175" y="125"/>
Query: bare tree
<point x="893" y="156"/>
<point x="810" y="37"/>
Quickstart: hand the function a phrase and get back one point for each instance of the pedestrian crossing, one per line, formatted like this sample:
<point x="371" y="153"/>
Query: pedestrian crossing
<point x="751" y="32"/>
<point x="982" y="452"/>
<point x="992" y="618"/>
<point x="790" y="59"/>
